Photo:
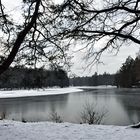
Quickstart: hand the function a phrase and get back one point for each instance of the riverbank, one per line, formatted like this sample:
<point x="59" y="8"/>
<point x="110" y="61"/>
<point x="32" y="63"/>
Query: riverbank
<point x="12" y="130"/>
<point x="37" y="92"/>
<point x="47" y="91"/>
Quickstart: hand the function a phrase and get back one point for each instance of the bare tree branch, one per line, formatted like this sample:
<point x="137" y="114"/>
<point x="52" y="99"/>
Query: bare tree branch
<point x="117" y="21"/>
<point x="19" y="40"/>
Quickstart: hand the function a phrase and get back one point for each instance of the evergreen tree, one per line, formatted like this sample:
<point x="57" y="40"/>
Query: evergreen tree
<point x="126" y="77"/>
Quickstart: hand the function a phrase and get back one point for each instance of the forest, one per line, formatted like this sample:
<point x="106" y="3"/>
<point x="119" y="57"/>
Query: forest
<point x="94" y="80"/>
<point x="28" y="78"/>
<point x="127" y="76"/>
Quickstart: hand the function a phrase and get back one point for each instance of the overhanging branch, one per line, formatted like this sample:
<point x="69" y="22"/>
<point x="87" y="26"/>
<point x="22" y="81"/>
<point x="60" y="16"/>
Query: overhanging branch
<point x="20" y="39"/>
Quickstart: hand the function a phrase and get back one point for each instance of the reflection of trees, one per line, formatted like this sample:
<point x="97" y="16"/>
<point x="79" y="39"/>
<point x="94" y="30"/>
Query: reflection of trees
<point x="126" y="101"/>
<point x="130" y="100"/>
<point x="33" y="108"/>
<point x="57" y="102"/>
<point x="114" y="101"/>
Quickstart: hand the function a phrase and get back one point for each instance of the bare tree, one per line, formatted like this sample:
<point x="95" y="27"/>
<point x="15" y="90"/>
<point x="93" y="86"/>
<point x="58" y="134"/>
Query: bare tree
<point x="110" y="22"/>
<point x="32" y="41"/>
<point x="47" y="29"/>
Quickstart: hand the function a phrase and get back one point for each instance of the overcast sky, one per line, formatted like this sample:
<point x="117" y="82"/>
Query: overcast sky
<point x="111" y="63"/>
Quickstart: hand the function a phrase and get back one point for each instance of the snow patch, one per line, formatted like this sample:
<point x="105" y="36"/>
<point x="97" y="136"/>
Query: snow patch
<point x="11" y="130"/>
<point x="38" y="92"/>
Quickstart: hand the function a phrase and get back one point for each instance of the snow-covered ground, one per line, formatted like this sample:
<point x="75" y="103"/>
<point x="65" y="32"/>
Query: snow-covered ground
<point x="37" y="92"/>
<point x="97" y="87"/>
<point x="46" y="91"/>
<point x="11" y="130"/>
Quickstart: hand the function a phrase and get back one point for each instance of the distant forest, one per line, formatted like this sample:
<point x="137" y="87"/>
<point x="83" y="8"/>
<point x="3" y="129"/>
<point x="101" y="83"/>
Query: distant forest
<point x="19" y="77"/>
<point x="95" y="80"/>
<point x="33" y="78"/>
<point x="127" y="76"/>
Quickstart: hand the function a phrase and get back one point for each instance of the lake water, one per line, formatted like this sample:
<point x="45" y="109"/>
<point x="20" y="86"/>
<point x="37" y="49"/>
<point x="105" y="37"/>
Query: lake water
<point x="122" y="106"/>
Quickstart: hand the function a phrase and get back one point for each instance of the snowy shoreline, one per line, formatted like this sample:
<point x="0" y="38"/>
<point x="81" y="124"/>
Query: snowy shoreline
<point x="12" y="130"/>
<point x="37" y="92"/>
<point x="47" y="91"/>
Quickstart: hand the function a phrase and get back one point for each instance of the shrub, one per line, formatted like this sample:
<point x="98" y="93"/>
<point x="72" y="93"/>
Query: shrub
<point x="55" y="117"/>
<point x="90" y="115"/>
<point x="2" y="115"/>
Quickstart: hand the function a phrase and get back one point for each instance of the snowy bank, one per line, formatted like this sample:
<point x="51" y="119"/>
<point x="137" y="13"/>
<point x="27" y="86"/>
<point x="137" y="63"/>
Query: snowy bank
<point x="97" y="87"/>
<point x="37" y="92"/>
<point x="11" y="130"/>
<point x="47" y="91"/>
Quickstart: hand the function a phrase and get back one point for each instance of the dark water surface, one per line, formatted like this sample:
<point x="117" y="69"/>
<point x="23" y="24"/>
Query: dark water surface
<point x="122" y="106"/>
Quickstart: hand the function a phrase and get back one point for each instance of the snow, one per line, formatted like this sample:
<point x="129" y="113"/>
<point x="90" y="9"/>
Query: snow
<point x="47" y="91"/>
<point x="11" y="130"/>
<point x="97" y="87"/>
<point x="37" y="92"/>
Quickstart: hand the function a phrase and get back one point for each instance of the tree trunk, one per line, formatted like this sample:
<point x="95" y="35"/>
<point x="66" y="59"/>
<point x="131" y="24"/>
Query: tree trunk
<point x="20" y="38"/>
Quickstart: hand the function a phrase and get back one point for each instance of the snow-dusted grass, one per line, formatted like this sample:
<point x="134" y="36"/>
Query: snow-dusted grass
<point x="11" y="130"/>
<point x="37" y="92"/>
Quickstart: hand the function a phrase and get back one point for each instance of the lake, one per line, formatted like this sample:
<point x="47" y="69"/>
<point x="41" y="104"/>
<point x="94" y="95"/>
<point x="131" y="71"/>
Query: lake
<point x="122" y="106"/>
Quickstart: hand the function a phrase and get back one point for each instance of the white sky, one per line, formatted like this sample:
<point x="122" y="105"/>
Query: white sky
<point x="111" y="63"/>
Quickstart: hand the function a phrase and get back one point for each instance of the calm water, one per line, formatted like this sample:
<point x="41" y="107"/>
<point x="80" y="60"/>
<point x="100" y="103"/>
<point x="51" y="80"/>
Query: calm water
<point x="122" y="106"/>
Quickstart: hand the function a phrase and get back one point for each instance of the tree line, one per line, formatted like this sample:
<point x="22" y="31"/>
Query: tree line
<point x="129" y="74"/>
<point x="28" y="78"/>
<point x="94" y="80"/>
<point x="20" y="77"/>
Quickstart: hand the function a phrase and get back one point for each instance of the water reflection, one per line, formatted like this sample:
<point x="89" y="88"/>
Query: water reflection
<point x="130" y="101"/>
<point x="32" y="109"/>
<point x="122" y="106"/>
